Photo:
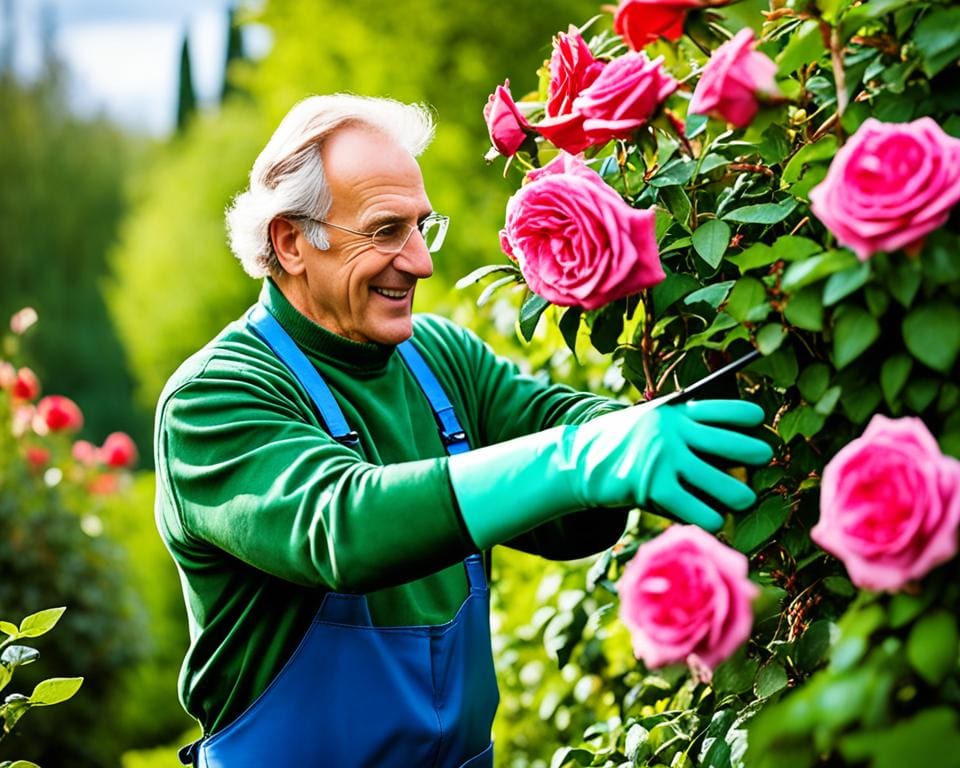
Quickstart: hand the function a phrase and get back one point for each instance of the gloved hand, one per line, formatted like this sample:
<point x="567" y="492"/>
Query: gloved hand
<point x="631" y="457"/>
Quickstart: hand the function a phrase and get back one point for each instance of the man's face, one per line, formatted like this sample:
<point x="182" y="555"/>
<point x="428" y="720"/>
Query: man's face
<point x="354" y="289"/>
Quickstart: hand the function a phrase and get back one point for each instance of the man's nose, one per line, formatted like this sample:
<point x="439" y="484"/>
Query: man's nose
<point x="414" y="258"/>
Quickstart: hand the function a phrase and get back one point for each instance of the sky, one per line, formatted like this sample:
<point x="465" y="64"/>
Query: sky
<point x="123" y="56"/>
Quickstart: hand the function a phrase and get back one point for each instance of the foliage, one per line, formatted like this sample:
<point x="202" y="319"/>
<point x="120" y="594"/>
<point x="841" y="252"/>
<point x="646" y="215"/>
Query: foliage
<point x="60" y="205"/>
<point x="54" y="690"/>
<point x="52" y="550"/>
<point x="832" y="673"/>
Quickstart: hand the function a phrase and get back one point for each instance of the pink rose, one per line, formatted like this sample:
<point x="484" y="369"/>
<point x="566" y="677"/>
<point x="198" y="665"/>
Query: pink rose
<point x="118" y="450"/>
<point x="576" y="241"/>
<point x="890" y="504"/>
<point x="640" y="22"/>
<point x="624" y="97"/>
<point x="57" y="413"/>
<point x="686" y="597"/>
<point x="732" y="80"/>
<point x="889" y="185"/>
<point x="508" y="128"/>
<point x="85" y="453"/>
<point x="23" y="320"/>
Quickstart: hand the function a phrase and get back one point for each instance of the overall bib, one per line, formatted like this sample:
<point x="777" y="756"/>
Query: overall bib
<point x="355" y="695"/>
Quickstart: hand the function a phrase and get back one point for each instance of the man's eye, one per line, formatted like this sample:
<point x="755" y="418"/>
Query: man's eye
<point x="389" y="230"/>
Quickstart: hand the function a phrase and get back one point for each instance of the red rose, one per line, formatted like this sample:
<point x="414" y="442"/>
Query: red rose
<point x="640" y="22"/>
<point x="59" y="414"/>
<point x="26" y="386"/>
<point x="38" y="457"/>
<point x="118" y="450"/>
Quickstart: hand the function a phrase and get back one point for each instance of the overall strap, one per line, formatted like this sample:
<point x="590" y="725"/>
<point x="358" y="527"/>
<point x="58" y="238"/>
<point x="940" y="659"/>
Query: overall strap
<point x="452" y="434"/>
<point x="267" y="328"/>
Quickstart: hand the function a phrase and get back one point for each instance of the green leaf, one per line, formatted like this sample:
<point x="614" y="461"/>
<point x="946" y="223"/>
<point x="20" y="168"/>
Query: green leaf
<point x="636" y="746"/>
<point x="859" y="403"/>
<point x="41" y="622"/>
<point x="937" y="40"/>
<point x="758" y="526"/>
<point x="713" y="295"/>
<point x="821" y="150"/>
<point x="828" y="402"/>
<point x="903" y="280"/>
<point x="770" y="337"/>
<point x="747" y="293"/>
<point x="764" y="213"/>
<point x="694" y="125"/>
<point x="858" y="16"/>
<point x="933" y="645"/>
<point x="55" y="690"/>
<point x="928" y="738"/>
<point x="805" y="309"/>
<point x="757" y="255"/>
<point x="804" y="47"/>
<point x="813" y="382"/>
<point x="905" y="608"/>
<point x="893" y="375"/>
<point x="842" y="284"/>
<point x="530" y="311"/>
<point x="932" y="334"/>
<point x="840" y="585"/>
<point x="9" y="629"/>
<point x="487" y="293"/>
<point x="854" y="331"/>
<point x="570" y="327"/>
<point x="735" y="675"/>
<point x="811" y="648"/>
<point x="920" y="393"/>
<point x="800" y="421"/>
<point x="678" y="204"/>
<point x="565" y="755"/>
<point x="676" y="172"/>
<point x="5" y="676"/>
<point x="710" y="240"/>
<point x="18" y="764"/>
<point x="19" y="655"/>
<point x="771" y="678"/>
<point x="794" y="247"/>
<point x="606" y="329"/>
<point x="482" y="272"/>
<point x="711" y="163"/>
<point x="781" y="366"/>
<point x="816" y="268"/>
<point x="722" y="322"/>
<point x="878" y="300"/>
<point x="675" y="286"/>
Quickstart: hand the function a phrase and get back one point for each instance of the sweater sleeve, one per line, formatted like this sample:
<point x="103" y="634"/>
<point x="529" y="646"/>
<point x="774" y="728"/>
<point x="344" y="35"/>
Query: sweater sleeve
<point x="250" y="475"/>
<point x="502" y="403"/>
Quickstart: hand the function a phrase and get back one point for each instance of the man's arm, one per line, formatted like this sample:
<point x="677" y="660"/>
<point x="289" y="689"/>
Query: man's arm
<point x="249" y="475"/>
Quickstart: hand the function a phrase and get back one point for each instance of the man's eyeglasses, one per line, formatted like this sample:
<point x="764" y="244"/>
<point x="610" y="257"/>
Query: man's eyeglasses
<point x="391" y="238"/>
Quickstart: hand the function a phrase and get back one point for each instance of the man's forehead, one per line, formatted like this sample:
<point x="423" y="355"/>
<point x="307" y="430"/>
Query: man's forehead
<point x="367" y="169"/>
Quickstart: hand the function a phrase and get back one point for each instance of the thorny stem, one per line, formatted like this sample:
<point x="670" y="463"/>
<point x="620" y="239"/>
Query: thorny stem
<point x="831" y="37"/>
<point x="646" y="347"/>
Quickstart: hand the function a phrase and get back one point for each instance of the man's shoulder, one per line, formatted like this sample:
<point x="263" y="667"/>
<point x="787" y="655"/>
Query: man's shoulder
<point x="232" y="354"/>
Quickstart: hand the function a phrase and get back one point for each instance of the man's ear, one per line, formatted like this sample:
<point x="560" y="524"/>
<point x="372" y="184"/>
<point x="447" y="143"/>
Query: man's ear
<point x="286" y="239"/>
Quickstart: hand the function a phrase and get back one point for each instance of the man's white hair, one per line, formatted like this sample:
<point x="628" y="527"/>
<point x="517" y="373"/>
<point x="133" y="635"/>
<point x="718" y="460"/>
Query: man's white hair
<point x="288" y="179"/>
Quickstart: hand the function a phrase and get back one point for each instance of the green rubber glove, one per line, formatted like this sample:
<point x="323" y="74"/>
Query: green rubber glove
<point x="632" y="457"/>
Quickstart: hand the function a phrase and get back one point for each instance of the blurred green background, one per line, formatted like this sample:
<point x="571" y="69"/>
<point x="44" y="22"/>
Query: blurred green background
<point x="117" y="239"/>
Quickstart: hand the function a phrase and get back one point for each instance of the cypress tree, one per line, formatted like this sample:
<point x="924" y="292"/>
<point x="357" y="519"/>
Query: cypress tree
<point x="187" y="99"/>
<point x="234" y="53"/>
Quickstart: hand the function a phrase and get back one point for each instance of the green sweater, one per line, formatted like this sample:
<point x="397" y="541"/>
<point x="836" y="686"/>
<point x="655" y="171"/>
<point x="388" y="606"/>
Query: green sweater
<point x="264" y="512"/>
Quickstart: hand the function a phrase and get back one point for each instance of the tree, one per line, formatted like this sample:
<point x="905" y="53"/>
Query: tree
<point x="186" y="97"/>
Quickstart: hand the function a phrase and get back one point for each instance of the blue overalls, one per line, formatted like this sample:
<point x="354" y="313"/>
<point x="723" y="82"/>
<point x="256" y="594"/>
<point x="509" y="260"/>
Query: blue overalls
<point x="354" y="695"/>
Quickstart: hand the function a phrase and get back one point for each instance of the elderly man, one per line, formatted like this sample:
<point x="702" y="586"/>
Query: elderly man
<point x="317" y="487"/>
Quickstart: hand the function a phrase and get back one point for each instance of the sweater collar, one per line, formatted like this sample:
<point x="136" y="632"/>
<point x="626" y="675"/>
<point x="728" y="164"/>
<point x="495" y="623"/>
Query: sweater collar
<point x="319" y="342"/>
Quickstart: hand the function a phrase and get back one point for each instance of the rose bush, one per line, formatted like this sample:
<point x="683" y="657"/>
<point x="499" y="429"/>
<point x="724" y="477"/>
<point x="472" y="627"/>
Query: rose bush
<point x="819" y="227"/>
